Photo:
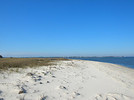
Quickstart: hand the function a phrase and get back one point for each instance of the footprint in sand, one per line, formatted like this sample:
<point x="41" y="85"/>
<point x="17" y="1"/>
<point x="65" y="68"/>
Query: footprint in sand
<point x="112" y="96"/>
<point x="61" y="87"/>
<point x="75" y="94"/>
<point x="0" y="91"/>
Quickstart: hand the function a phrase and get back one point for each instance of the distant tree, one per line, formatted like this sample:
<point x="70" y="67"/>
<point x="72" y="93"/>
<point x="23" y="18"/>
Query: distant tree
<point x="1" y="56"/>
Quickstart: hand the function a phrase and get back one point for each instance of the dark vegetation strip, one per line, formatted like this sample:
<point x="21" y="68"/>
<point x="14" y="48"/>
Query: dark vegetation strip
<point x="6" y="63"/>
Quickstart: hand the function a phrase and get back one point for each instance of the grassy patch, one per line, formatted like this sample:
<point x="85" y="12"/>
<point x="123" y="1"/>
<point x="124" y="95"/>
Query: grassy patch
<point x="6" y="63"/>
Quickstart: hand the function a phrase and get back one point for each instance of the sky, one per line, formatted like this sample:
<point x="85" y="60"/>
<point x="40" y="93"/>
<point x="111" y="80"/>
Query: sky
<point x="66" y="28"/>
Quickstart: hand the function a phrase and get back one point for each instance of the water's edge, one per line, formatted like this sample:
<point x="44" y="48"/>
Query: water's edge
<point x="124" y="61"/>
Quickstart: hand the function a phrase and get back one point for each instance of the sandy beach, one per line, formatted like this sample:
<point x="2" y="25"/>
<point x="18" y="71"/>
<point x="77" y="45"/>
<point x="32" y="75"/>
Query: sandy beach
<point x="69" y="80"/>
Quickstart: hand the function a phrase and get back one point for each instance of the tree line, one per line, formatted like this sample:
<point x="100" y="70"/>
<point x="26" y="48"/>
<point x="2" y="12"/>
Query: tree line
<point x="1" y="56"/>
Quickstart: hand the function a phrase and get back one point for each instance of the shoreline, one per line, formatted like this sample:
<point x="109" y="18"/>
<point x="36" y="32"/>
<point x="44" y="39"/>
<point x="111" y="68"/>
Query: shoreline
<point x="123" y="61"/>
<point x="106" y="63"/>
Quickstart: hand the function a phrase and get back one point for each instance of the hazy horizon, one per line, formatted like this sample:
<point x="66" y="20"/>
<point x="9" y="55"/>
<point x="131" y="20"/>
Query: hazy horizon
<point x="20" y="54"/>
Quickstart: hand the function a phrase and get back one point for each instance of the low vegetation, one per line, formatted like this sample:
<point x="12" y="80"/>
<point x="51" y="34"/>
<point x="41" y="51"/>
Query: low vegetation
<point x="6" y="63"/>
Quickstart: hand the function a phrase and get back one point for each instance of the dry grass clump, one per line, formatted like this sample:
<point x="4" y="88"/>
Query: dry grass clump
<point x="6" y="63"/>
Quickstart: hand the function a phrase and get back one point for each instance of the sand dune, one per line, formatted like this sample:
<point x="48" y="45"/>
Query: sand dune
<point x="69" y="80"/>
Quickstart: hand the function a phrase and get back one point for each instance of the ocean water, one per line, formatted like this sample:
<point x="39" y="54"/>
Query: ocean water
<point x="125" y="61"/>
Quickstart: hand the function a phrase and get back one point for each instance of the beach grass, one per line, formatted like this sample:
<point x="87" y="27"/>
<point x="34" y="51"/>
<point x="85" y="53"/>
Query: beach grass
<point x="7" y="63"/>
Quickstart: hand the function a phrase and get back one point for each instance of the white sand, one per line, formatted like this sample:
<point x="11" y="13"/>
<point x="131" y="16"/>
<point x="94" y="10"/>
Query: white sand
<point x="69" y="80"/>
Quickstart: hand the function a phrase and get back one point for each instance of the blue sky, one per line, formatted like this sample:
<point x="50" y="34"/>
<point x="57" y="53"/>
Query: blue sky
<point x="67" y="27"/>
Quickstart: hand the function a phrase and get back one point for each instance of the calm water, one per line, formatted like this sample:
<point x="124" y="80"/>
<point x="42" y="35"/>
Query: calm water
<point x="125" y="61"/>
